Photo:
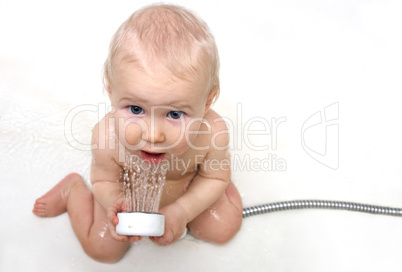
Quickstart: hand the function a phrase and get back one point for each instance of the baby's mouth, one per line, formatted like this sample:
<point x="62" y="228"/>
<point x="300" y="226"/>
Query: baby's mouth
<point x="152" y="157"/>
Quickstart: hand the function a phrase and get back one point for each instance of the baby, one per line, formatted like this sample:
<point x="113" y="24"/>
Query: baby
<point x="161" y="76"/>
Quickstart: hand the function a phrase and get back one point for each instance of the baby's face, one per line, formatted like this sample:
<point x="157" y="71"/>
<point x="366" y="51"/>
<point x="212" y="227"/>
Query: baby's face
<point x="156" y="115"/>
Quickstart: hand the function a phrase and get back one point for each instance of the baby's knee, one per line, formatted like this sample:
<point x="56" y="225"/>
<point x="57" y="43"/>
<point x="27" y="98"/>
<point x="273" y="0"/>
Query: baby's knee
<point x="218" y="228"/>
<point x="103" y="257"/>
<point x="229" y="230"/>
<point x="103" y="254"/>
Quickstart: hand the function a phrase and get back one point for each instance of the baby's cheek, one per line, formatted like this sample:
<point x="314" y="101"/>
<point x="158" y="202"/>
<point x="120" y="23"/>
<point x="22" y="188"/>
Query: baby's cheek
<point x="178" y="142"/>
<point x="131" y="134"/>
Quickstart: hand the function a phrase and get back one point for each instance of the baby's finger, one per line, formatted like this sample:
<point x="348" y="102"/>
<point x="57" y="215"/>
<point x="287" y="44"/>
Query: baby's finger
<point x="112" y="216"/>
<point x="132" y="239"/>
<point x="125" y="238"/>
<point x="117" y="207"/>
<point x="164" y="240"/>
<point x="121" y="238"/>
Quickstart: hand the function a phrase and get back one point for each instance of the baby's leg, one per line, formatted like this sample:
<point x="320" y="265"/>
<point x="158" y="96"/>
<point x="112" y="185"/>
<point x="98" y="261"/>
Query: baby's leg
<point x="222" y="220"/>
<point x="87" y="216"/>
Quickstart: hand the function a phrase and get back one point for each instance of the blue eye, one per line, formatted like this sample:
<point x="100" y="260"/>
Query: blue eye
<point x="136" y="110"/>
<point x="175" y="114"/>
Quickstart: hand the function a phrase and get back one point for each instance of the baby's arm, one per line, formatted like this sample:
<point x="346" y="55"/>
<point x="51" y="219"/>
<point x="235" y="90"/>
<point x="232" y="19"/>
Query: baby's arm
<point x="105" y="184"/>
<point x="105" y="172"/>
<point x="208" y="185"/>
<point x="105" y="177"/>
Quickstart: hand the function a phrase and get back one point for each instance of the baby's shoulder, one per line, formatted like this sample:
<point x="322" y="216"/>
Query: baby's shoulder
<point x="103" y="131"/>
<point x="217" y="128"/>
<point x="215" y="121"/>
<point x="104" y="138"/>
<point x="104" y="165"/>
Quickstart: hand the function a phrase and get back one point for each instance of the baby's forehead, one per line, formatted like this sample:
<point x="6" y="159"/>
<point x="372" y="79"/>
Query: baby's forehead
<point x="176" y="63"/>
<point x="157" y="77"/>
<point x="156" y="71"/>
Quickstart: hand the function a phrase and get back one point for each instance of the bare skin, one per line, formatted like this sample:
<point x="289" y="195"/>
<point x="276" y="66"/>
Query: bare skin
<point x="198" y="196"/>
<point x="155" y="114"/>
<point x="87" y="217"/>
<point x="72" y="195"/>
<point x="53" y="202"/>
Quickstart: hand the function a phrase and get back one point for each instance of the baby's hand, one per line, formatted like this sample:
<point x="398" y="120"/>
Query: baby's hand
<point x="113" y="220"/>
<point x="175" y="224"/>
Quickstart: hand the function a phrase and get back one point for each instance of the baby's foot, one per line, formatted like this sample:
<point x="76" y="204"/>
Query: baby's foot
<point x="54" y="202"/>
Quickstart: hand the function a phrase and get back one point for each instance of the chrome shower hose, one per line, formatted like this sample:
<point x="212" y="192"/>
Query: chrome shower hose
<point x="320" y="204"/>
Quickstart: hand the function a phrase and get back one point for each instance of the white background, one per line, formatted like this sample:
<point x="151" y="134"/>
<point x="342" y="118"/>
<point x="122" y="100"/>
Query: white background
<point x="279" y="59"/>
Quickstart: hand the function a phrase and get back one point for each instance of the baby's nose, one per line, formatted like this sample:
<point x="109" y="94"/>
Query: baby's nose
<point x="154" y="134"/>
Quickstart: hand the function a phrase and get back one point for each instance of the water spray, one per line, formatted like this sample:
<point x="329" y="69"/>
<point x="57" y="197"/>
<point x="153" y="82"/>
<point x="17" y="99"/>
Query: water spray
<point x="142" y="189"/>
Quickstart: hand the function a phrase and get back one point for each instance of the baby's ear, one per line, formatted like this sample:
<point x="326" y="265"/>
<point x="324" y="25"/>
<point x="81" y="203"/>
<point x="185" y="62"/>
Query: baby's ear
<point x="106" y="88"/>
<point x="109" y="91"/>
<point x="212" y="97"/>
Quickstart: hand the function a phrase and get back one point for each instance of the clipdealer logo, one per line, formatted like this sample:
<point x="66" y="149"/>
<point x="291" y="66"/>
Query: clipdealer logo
<point x="320" y="136"/>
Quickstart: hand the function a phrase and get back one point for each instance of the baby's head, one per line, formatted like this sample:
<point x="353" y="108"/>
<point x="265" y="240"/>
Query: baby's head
<point x="168" y="41"/>
<point x="162" y="75"/>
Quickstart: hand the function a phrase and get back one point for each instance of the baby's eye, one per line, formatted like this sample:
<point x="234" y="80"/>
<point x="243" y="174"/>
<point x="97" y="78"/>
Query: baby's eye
<point x="175" y="114"/>
<point x="136" y="109"/>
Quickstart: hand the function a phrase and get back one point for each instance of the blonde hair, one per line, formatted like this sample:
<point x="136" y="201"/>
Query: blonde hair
<point x="171" y="36"/>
